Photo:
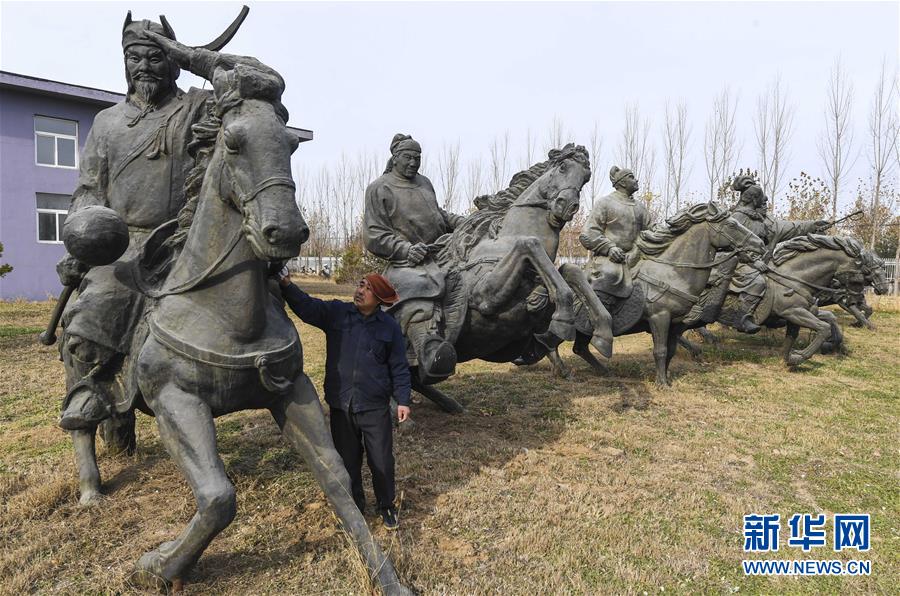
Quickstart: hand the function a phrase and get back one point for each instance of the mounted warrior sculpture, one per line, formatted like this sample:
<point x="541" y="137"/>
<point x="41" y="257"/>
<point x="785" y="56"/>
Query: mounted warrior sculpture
<point x="202" y="334"/>
<point x="748" y="306"/>
<point x="610" y="234"/>
<point x="401" y="220"/>
<point x="669" y="271"/>
<point x="748" y="283"/>
<point x="807" y="272"/>
<point x="501" y="284"/>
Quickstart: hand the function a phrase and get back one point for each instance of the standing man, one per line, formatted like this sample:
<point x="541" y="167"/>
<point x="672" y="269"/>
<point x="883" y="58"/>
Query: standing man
<point x="610" y="233"/>
<point x="401" y="219"/>
<point x="365" y="366"/>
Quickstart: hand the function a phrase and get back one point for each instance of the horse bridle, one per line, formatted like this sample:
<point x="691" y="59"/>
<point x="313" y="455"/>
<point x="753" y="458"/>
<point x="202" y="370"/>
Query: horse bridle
<point x="244" y="198"/>
<point x="545" y="203"/>
<point x="718" y="228"/>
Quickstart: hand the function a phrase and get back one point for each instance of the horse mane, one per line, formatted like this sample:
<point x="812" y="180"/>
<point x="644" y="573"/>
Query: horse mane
<point x="655" y="241"/>
<point x="853" y="248"/>
<point x="249" y="79"/>
<point x="488" y="219"/>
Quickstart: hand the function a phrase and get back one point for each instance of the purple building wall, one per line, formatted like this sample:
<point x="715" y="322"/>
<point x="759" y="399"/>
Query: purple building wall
<point x="21" y="179"/>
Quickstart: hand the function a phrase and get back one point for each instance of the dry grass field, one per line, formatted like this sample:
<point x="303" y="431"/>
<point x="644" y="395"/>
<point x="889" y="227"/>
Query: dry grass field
<point x="598" y="485"/>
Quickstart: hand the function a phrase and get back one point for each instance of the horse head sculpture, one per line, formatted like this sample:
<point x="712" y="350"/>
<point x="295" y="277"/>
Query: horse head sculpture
<point x="254" y="158"/>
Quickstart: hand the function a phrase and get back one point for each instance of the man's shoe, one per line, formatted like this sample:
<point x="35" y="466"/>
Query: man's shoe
<point x="389" y="517"/>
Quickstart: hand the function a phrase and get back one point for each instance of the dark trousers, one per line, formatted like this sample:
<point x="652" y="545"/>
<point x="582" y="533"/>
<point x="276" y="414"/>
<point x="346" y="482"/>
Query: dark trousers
<point x="351" y="431"/>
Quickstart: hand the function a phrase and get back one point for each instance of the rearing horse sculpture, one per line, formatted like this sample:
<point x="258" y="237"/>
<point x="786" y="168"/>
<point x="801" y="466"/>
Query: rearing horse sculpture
<point x="501" y="276"/>
<point x="220" y="342"/>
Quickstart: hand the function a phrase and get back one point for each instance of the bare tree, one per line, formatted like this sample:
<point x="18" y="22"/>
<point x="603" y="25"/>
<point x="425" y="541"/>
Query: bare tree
<point x="528" y="157"/>
<point x="474" y="180"/>
<point x="366" y="168"/>
<point x="597" y="177"/>
<point x="883" y="131"/>
<point x="635" y="149"/>
<point x="499" y="161"/>
<point x="343" y="194"/>
<point x="555" y="135"/>
<point x="676" y="135"/>
<point x="836" y="142"/>
<point x="320" y="215"/>
<point x="448" y="175"/>
<point x="720" y="145"/>
<point x="773" y="124"/>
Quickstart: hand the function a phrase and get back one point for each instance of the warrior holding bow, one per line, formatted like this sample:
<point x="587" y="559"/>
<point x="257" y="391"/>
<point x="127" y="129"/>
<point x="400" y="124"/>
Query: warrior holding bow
<point x="751" y="212"/>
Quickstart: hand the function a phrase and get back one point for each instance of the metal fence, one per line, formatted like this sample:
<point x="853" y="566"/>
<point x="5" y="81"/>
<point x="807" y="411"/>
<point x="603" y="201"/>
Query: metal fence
<point x="314" y="265"/>
<point x="890" y="269"/>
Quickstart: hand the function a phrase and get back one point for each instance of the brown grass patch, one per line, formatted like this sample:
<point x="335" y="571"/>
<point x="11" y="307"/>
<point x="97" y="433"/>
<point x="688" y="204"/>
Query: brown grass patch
<point x="594" y="485"/>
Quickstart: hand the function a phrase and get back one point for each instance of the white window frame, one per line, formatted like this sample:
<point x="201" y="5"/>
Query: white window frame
<point x="37" y="219"/>
<point x="54" y="136"/>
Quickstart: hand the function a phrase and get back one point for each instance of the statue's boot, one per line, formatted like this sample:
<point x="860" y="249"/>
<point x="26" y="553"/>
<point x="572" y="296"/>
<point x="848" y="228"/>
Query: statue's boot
<point x="436" y="357"/>
<point x="86" y="406"/>
<point x="87" y="402"/>
<point x="748" y="305"/>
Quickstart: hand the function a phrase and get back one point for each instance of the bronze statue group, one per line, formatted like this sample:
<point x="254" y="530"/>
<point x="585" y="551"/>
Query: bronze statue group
<point x="185" y="207"/>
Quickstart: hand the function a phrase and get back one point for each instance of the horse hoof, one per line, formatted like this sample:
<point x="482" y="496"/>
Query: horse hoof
<point x="148" y="573"/>
<point x="563" y="329"/>
<point x="795" y="359"/>
<point x="90" y="497"/>
<point x="604" y="346"/>
<point x="397" y="590"/>
<point x="565" y="374"/>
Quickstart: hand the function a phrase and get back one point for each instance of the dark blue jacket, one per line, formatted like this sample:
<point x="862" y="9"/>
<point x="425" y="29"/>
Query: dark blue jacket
<point x="365" y="361"/>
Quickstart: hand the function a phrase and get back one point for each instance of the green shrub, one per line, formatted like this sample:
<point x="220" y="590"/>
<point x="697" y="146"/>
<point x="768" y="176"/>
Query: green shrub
<point x="4" y="268"/>
<point x="357" y="262"/>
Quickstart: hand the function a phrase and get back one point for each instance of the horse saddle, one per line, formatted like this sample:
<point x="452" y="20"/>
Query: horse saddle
<point x="625" y="312"/>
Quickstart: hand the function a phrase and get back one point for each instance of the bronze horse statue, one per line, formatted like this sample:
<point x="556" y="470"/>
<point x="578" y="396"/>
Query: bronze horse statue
<point x="674" y="268"/>
<point x="501" y="277"/>
<point x="808" y="272"/>
<point x="217" y="340"/>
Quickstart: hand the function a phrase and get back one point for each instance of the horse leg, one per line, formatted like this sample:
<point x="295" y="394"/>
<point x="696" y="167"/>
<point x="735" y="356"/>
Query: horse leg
<point x="672" y="341"/>
<point x="560" y="369"/>
<point x="707" y="335"/>
<point x="300" y="418"/>
<point x="790" y="336"/>
<point x="694" y="349"/>
<point x="802" y="316"/>
<point x="659" y="329"/>
<point x="445" y="402"/>
<point x="601" y="320"/>
<point x="86" y="458"/>
<point x="188" y="432"/>
<point x="836" y="337"/>
<point x="495" y="289"/>
<point x="582" y="349"/>
<point x="118" y="433"/>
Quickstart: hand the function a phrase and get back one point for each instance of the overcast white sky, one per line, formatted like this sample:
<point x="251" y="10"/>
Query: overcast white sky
<point x="448" y="72"/>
